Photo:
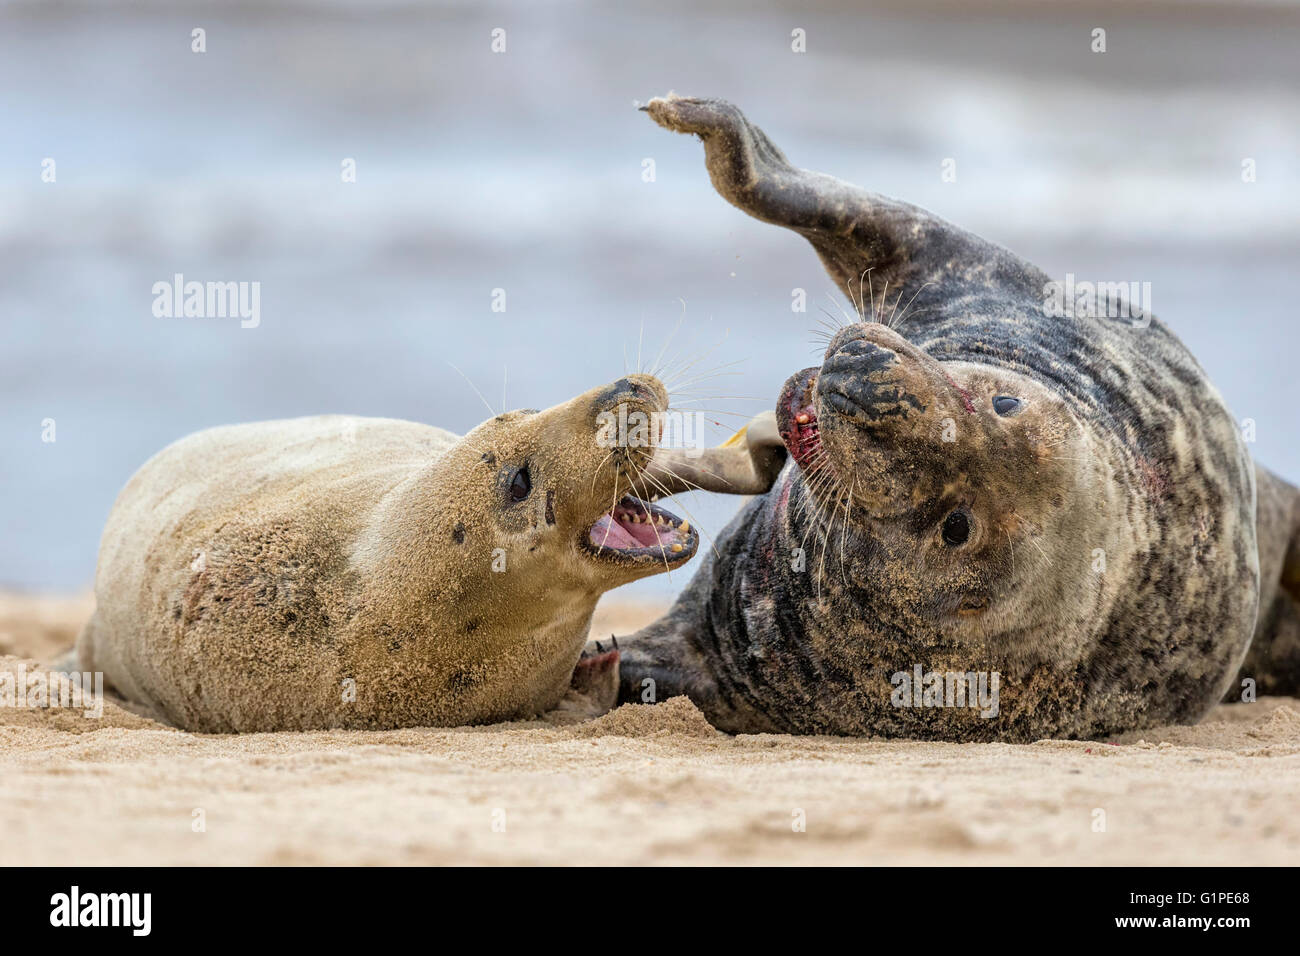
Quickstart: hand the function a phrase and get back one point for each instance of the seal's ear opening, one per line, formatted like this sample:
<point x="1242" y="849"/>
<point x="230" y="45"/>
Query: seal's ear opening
<point x="855" y="232"/>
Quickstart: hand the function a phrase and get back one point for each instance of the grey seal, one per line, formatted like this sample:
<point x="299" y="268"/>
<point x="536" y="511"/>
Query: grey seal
<point x="983" y="500"/>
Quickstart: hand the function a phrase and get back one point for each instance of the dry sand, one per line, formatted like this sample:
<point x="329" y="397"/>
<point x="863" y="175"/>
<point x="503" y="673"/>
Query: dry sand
<point x="639" y="785"/>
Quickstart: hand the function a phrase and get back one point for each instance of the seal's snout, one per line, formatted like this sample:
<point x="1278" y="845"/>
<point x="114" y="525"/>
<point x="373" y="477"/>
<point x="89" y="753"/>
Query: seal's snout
<point x="871" y="380"/>
<point x="632" y="535"/>
<point x="636" y="393"/>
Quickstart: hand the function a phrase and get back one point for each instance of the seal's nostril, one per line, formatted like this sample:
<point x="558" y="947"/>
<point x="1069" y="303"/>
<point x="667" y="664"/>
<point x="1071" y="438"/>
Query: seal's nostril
<point x="860" y="357"/>
<point x="631" y="390"/>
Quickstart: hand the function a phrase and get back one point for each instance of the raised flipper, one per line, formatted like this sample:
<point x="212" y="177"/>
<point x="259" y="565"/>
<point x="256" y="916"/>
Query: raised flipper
<point x="745" y="464"/>
<point x="854" y="231"/>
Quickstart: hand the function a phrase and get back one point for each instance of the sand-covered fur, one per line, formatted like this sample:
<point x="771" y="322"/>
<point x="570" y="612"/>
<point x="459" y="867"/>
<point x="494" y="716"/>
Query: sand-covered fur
<point x="349" y="572"/>
<point x="982" y="484"/>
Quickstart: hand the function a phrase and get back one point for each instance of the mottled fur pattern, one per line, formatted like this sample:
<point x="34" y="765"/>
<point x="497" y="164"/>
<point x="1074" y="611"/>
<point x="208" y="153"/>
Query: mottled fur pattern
<point x="370" y="573"/>
<point x="842" y="575"/>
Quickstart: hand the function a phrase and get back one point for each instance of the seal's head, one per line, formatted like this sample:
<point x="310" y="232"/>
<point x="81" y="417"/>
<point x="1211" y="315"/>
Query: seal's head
<point x="947" y="482"/>
<point x="499" y="548"/>
<point x="559" y="497"/>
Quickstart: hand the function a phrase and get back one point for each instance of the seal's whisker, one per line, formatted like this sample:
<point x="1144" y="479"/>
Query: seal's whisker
<point x="686" y="481"/>
<point x="703" y="377"/>
<point x="476" y="391"/>
<point x="894" y="311"/>
<point x="665" y="494"/>
<point x="817" y="500"/>
<point x="695" y="361"/>
<point x="612" y="505"/>
<point x="878" y="312"/>
<point x="698" y="467"/>
<point x="843" y="319"/>
<point x="911" y="300"/>
<point x="719" y="411"/>
<point x="707" y="397"/>
<point x="844" y="536"/>
<point x="639" y="340"/>
<point x="820" y="483"/>
<point x="596" y="474"/>
<point x="662" y="553"/>
<point x="703" y="394"/>
<point x="829" y="527"/>
<point x="832" y="323"/>
<point x="862" y="311"/>
<point x="668" y="341"/>
<point x="714" y="372"/>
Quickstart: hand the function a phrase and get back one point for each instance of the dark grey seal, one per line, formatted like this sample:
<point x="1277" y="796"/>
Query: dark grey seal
<point x="997" y="522"/>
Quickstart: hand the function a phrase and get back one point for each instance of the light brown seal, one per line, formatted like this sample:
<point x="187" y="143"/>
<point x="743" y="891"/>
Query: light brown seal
<point x="354" y="572"/>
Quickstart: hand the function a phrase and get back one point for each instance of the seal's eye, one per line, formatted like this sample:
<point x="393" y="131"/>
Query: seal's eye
<point x="1006" y="405"/>
<point x="520" y="485"/>
<point x="956" y="528"/>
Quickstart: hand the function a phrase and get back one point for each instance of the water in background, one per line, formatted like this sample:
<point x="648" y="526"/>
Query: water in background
<point x="523" y="171"/>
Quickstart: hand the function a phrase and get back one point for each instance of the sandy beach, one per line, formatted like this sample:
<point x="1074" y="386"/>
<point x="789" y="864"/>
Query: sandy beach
<point x="641" y="785"/>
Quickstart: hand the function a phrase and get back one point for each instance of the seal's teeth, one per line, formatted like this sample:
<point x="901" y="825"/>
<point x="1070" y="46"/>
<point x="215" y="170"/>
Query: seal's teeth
<point x="676" y="548"/>
<point x="684" y="527"/>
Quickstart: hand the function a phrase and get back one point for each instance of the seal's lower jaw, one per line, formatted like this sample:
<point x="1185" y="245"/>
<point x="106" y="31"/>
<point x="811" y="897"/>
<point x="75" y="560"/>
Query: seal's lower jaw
<point x="796" y="417"/>
<point x="635" y="533"/>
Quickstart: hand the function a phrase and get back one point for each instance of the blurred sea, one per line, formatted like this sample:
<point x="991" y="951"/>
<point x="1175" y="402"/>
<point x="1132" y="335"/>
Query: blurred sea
<point x="523" y="171"/>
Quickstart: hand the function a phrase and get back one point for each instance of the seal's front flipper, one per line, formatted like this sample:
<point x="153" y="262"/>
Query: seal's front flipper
<point x="593" y="688"/>
<point x="667" y="659"/>
<point x="661" y="660"/>
<point x="745" y="464"/>
<point x="854" y="231"/>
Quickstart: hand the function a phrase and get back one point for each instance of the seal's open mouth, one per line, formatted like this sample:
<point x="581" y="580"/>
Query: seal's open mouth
<point x="635" y="530"/>
<point x="796" y="417"/>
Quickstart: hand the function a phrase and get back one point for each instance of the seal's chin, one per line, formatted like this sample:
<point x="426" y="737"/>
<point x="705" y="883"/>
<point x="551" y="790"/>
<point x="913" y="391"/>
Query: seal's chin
<point x="636" y="532"/>
<point x="796" y="417"/>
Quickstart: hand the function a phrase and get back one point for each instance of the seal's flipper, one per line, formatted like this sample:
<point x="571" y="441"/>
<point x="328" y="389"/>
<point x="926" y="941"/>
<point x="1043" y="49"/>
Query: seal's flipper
<point x="593" y="688"/>
<point x="854" y="231"/>
<point x="661" y="660"/>
<point x="1273" y="661"/>
<point x="745" y="464"/>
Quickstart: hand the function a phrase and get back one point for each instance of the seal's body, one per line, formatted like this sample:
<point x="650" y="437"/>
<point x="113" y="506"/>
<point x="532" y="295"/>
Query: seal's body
<point x="1058" y="508"/>
<point x="352" y="572"/>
